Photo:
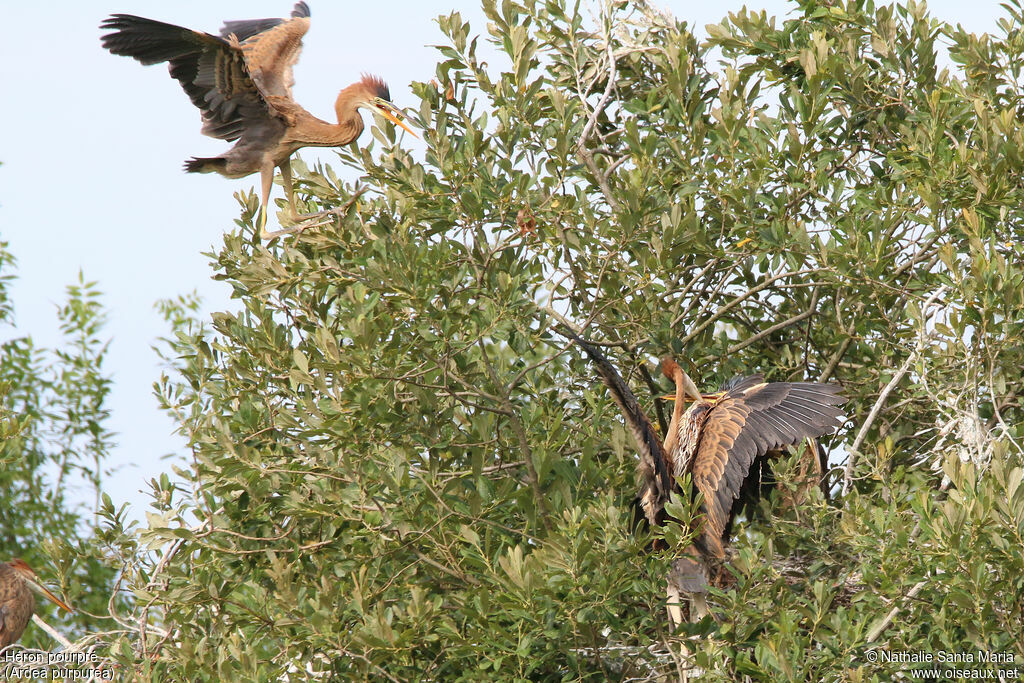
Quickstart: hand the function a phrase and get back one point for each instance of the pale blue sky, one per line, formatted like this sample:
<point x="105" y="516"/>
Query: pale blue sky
<point x="92" y="152"/>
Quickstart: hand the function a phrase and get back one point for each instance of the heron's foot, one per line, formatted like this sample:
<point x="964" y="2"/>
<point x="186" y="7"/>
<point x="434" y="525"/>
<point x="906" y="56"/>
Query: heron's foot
<point x="269" y="235"/>
<point x="305" y="221"/>
<point x="338" y="211"/>
<point x="265" y="235"/>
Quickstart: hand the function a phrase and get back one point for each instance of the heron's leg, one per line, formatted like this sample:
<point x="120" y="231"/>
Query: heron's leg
<point x="286" y="180"/>
<point x="266" y="182"/>
<point x="267" y="179"/>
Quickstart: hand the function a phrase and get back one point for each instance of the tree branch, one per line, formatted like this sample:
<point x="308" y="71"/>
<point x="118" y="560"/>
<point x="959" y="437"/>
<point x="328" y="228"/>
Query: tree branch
<point x="524" y="442"/>
<point x="776" y="327"/>
<point x="585" y="155"/>
<point x="877" y="408"/>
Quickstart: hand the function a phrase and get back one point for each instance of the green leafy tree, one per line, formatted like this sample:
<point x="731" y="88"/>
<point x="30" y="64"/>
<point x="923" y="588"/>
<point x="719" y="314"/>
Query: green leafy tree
<point x="400" y="470"/>
<point x="53" y="446"/>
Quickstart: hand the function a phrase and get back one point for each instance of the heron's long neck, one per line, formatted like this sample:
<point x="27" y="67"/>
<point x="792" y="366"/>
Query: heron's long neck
<point x="672" y="438"/>
<point x="314" y="132"/>
<point x="350" y="122"/>
<point x="309" y="131"/>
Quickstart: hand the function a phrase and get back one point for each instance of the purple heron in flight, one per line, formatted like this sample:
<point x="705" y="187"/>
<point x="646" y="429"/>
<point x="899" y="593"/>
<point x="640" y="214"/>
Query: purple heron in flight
<point x="17" y="581"/>
<point x="723" y="440"/>
<point x="242" y="81"/>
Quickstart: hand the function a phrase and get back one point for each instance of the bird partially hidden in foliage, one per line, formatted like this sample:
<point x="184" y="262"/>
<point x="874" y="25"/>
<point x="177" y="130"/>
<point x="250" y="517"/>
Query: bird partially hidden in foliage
<point x="17" y="581"/>
<point x="724" y="441"/>
<point x="242" y="81"/>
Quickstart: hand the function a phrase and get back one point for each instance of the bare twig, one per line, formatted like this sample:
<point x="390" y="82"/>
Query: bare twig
<point x="833" y="362"/>
<point x="585" y="155"/>
<point x="768" y="281"/>
<point x="877" y="408"/>
<point x="483" y="470"/>
<point x="778" y="326"/>
<point x="887" y="621"/>
<point x="54" y="633"/>
<point x="524" y="442"/>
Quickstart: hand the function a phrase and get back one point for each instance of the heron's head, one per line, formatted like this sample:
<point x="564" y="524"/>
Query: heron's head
<point x="19" y="565"/>
<point x="373" y="94"/>
<point x="670" y="368"/>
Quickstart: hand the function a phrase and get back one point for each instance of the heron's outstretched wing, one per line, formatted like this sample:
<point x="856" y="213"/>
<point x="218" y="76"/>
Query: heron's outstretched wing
<point x="231" y="82"/>
<point x="752" y="418"/>
<point x="247" y="28"/>
<point x="652" y="467"/>
<point x="271" y="48"/>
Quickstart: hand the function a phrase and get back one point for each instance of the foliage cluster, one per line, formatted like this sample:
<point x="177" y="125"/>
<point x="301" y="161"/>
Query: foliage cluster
<point x="400" y="470"/>
<point x="53" y="447"/>
<point x="397" y="469"/>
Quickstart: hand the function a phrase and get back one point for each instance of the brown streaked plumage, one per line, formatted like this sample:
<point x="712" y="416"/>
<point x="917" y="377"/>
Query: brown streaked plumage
<point x="725" y="437"/>
<point x="17" y="581"/>
<point x="722" y="440"/>
<point x="242" y="81"/>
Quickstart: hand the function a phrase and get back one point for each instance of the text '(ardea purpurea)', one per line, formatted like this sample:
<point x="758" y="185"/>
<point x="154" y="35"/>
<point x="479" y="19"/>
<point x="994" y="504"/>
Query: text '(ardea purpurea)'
<point x="17" y="581"/>
<point x="725" y="442"/>
<point x="242" y="81"/>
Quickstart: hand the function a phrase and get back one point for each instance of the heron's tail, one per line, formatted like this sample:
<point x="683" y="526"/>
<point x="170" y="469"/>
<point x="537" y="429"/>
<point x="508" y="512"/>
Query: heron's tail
<point x="206" y="165"/>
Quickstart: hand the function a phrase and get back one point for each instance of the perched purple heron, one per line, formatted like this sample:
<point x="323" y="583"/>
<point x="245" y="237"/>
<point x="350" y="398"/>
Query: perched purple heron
<point x="17" y="581"/>
<point x="724" y="441"/>
<point x="242" y="81"/>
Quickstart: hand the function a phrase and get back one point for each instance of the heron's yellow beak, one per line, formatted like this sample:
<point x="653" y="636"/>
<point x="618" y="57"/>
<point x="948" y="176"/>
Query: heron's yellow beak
<point x="706" y="397"/>
<point x="689" y="388"/>
<point x="40" y="588"/>
<point x="391" y="113"/>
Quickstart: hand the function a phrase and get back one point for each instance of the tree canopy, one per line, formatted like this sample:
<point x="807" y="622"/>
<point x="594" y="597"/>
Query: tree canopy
<point x="399" y="470"/>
